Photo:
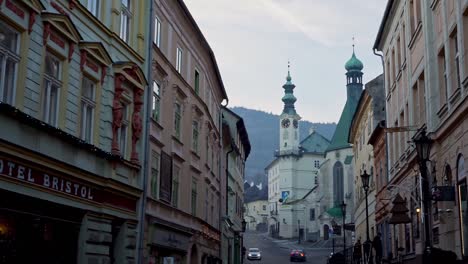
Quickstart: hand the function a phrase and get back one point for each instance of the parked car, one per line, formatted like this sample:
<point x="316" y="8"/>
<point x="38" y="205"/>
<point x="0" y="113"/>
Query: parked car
<point x="297" y="255"/>
<point x="254" y="254"/>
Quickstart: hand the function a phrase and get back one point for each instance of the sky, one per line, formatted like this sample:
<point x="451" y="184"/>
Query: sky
<point x="254" y="39"/>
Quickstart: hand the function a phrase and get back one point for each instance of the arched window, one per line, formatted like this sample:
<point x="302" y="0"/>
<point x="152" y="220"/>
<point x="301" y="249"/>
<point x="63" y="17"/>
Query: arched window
<point x="447" y="175"/>
<point x="463" y="203"/>
<point x="338" y="183"/>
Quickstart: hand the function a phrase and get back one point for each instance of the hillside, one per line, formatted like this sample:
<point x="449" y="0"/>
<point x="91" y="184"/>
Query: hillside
<point x="263" y="129"/>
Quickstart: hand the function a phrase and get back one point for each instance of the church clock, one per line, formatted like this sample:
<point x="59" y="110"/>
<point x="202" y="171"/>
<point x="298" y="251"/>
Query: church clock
<point x="285" y="123"/>
<point x="295" y="123"/>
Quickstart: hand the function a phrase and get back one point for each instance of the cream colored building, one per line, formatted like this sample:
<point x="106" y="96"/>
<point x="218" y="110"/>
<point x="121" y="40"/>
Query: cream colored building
<point x="256" y="212"/>
<point x="369" y="112"/>
<point x="424" y="46"/>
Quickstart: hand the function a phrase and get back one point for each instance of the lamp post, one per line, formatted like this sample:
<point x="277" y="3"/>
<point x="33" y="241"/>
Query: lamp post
<point x="343" y="211"/>
<point x="423" y="149"/>
<point x="367" y="245"/>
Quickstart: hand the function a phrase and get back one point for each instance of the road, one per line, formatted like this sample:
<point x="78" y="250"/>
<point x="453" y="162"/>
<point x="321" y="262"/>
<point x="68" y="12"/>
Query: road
<point x="278" y="253"/>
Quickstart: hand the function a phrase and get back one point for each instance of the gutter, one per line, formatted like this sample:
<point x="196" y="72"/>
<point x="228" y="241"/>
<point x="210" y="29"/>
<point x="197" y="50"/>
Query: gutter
<point x="384" y="125"/>
<point x="147" y="118"/>
<point x="382" y="24"/>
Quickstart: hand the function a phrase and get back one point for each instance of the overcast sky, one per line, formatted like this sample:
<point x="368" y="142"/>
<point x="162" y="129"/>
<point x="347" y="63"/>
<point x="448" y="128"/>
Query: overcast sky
<point x="253" y="40"/>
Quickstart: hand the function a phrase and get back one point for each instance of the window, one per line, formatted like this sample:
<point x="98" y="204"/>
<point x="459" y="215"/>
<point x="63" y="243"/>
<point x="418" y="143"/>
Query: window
<point x="207" y="149"/>
<point x="125" y="17"/>
<point x="338" y="183"/>
<point x="88" y="105"/>
<point x="157" y="32"/>
<point x="154" y="174"/>
<point x="312" y="214"/>
<point x="175" y="186"/>
<point x="177" y="119"/>
<point x="316" y="163"/>
<point x="179" y="60"/>
<point x="206" y="204"/>
<point x="93" y="7"/>
<point x="52" y="84"/>
<point x="197" y="82"/>
<point x="194" y="197"/>
<point x="456" y="54"/>
<point x="443" y="75"/>
<point x="264" y="207"/>
<point x="9" y="59"/>
<point x="123" y="130"/>
<point x="195" y="136"/>
<point x="156" y="101"/>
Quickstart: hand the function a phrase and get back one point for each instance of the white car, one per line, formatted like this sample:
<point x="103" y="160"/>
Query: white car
<point x="254" y="254"/>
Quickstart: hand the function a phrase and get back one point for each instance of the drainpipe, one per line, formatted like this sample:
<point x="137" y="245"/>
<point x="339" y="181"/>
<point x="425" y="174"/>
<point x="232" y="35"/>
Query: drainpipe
<point x="384" y="126"/>
<point x="220" y="225"/>
<point x="146" y="156"/>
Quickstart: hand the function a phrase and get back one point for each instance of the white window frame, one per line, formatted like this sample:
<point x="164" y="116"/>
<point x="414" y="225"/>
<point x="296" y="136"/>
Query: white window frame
<point x="125" y="20"/>
<point x="87" y="104"/>
<point x="8" y="95"/>
<point x="157" y="32"/>
<point x="156" y="105"/>
<point x="51" y="82"/>
<point x="457" y="60"/>
<point x="179" y="54"/>
<point x="93" y="7"/>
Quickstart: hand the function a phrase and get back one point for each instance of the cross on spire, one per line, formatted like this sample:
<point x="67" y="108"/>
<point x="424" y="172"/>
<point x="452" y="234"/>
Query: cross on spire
<point x="353" y="44"/>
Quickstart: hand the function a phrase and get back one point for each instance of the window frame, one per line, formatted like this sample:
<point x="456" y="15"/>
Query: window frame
<point x="179" y="55"/>
<point x="178" y="119"/>
<point x="125" y="20"/>
<point x="195" y="135"/>
<point x="5" y="54"/>
<point x="157" y="32"/>
<point x="48" y="82"/>
<point x="85" y="104"/>
<point x="93" y="6"/>
<point x="126" y="121"/>
<point x="155" y="171"/>
<point x="175" y="186"/>
<point x="156" y="103"/>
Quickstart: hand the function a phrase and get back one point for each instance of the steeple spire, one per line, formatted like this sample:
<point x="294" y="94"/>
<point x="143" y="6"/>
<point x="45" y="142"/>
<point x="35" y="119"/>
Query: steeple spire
<point x="289" y="99"/>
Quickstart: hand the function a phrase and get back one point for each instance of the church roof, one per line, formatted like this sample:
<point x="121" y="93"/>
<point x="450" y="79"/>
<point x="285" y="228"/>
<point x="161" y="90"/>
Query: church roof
<point x="315" y="143"/>
<point x="340" y="137"/>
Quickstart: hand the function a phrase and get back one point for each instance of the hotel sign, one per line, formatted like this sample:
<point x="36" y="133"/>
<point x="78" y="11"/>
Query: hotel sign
<point x="64" y="184"/>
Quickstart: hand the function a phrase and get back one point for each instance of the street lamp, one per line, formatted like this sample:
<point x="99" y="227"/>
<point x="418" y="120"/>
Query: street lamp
<point x="367" y="245"/>
<point x="343" y="211"/>
<point x="423" y="149"/>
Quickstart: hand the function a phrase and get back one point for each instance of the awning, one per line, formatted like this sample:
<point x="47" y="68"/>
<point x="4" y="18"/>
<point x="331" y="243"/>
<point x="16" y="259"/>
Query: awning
<point x="335" y="212"/>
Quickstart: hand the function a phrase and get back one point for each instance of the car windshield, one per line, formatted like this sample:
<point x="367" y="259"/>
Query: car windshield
<point x="254" y="250"/>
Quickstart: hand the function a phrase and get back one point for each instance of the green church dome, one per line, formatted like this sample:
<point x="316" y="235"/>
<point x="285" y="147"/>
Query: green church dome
<point x="354" y="64"/>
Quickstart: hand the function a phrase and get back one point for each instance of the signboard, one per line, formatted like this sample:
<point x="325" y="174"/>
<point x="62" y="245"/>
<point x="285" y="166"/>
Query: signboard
<point x="170" y="239"/>
<point x="166" y="177"/>
<point x="40" y="176"/>
<point x="443" y="193"/>
<point x="284" y="195"/>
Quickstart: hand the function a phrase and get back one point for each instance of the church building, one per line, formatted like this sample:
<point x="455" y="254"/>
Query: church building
<point x="293" y="173"/>
<point x="336" y="175"/>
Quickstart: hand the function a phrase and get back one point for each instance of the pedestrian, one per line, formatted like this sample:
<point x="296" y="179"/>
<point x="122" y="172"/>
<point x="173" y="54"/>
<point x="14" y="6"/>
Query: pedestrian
<point x="357" y="252"/>
<point x="377" y="245"/>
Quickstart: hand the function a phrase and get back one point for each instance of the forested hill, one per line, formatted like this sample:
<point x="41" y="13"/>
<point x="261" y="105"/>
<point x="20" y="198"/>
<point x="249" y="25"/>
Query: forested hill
<point x="263" y="130"/>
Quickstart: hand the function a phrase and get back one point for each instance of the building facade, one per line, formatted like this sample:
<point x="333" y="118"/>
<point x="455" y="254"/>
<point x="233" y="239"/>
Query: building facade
<point x="293" y="173"/>
<point x="423" y="44"/>
<point x="369" y="112"/>
<point x="236" y="149"/>
<point x="73" y="89"/>
<point x="185" y="166"/>
<point x="256" y="214"/>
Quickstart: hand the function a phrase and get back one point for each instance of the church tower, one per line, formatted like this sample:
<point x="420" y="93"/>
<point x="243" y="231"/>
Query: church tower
<point x="354" y="77"/>
<point x="289" y="120"/>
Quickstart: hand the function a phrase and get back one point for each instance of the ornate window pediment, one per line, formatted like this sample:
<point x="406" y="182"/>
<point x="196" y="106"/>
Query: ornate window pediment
<point x="132" y="73"/>
<point x="97" y="51"/>
<point x="63" y="25"/>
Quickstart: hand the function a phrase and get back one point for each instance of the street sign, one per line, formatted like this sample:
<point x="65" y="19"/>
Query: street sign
<point x="284" y="195"/>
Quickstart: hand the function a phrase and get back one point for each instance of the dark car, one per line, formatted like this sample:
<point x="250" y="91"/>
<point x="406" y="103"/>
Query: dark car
<point x="297" y="255"/>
